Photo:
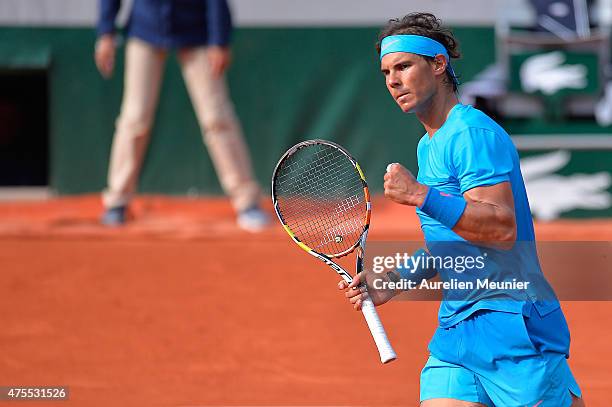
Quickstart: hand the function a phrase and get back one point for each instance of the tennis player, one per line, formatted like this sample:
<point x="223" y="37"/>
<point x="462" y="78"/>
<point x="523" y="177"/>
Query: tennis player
<point x="469" y="188"/>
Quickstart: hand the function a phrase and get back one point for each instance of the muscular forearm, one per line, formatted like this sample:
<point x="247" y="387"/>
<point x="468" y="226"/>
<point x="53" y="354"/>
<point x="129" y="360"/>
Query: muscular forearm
<point x="483" y="213"/>
<point x="486" y="222"/>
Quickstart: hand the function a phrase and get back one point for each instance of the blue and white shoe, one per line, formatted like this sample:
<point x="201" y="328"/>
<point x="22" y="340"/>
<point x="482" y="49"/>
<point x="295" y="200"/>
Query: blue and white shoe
<point x="253" y="219"/>
<point x="114" y="216"/>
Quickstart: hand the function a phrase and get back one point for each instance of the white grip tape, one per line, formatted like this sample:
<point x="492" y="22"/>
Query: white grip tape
<point x="387" y="354"/>
<point x="389" y="166"/>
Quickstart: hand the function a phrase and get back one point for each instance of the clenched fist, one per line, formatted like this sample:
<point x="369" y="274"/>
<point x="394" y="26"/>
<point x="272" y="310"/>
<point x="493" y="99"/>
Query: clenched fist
<point x="401" y="186"/>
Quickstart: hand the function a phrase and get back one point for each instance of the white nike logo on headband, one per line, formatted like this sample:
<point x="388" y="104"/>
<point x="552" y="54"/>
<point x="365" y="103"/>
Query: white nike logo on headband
<point x="387" y="45"/>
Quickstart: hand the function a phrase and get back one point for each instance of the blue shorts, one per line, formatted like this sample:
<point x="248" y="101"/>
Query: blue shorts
<point x="493" y="358"/>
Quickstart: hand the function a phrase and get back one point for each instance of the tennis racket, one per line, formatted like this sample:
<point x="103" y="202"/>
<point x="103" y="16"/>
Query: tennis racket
<point x="321" y="198"/>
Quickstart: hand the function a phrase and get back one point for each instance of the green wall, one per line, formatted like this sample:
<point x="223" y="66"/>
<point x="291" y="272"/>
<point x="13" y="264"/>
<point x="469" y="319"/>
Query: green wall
<point x="288" y="85"/>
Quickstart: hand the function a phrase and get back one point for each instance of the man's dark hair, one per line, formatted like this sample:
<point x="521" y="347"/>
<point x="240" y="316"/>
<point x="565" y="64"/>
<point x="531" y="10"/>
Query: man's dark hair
<point x="426" y="25"/>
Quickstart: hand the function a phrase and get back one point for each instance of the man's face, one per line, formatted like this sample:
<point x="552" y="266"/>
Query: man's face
<point x="410" y="79"/>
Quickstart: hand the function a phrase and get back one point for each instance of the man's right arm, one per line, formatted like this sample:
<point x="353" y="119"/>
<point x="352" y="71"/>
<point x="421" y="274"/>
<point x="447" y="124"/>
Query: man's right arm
<point x="375" y="285"/>
<point x="108" y="10"/>
<point x="105" y="45"/>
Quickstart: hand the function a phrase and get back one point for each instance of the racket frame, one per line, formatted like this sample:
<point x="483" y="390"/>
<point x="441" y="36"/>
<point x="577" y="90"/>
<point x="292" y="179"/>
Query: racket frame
<point x="366" y="191"/>
<point x="387" y="354"/>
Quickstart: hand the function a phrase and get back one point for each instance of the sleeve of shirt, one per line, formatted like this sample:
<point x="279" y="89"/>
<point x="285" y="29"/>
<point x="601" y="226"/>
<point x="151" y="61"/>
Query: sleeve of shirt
<point x="479" y="157"/>
<point x="108" y="10"/>
<point x="219" y="22"/>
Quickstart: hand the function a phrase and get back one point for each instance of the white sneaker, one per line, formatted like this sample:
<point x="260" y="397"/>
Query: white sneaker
<point x="253" y="219"/>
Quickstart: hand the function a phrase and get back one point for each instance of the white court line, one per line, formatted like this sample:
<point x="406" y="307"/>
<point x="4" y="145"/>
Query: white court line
<point x="25" y="193"/>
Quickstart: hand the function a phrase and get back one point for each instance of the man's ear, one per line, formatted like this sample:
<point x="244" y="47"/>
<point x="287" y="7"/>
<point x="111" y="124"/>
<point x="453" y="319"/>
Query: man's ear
<point x="440" y="64"/>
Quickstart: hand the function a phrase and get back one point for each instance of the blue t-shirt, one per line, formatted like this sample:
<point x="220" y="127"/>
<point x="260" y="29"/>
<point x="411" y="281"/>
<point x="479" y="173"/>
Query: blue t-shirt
<point x="171" y="23"/>
<point x="470" y="150"/>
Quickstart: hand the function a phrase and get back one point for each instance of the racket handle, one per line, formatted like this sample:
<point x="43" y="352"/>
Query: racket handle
<point x="387" y="354"/>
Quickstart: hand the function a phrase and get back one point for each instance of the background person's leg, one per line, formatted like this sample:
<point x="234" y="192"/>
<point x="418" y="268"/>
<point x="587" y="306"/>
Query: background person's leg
<point x="143" y="73"/>
<point x="222" y="135"/>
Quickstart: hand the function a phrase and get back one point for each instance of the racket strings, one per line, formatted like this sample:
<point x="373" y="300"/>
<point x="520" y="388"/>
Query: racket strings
<point x="321" y="198"/>
<point x="317" y="232"/>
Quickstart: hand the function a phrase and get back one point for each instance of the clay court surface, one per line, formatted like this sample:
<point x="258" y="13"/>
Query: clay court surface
<point x="181" y="308"/>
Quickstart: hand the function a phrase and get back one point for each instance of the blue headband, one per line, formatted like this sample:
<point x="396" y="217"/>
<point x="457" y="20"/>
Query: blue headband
<point x="416" y="44"/>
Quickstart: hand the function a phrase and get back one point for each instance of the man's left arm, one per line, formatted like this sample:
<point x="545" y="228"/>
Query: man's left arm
<point x="219" y="23"/>
<point x="488" y="215"/>
<point x="483" y="214"/>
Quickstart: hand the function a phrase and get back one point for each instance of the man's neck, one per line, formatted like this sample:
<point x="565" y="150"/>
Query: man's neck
<point x="437" y="112"/>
